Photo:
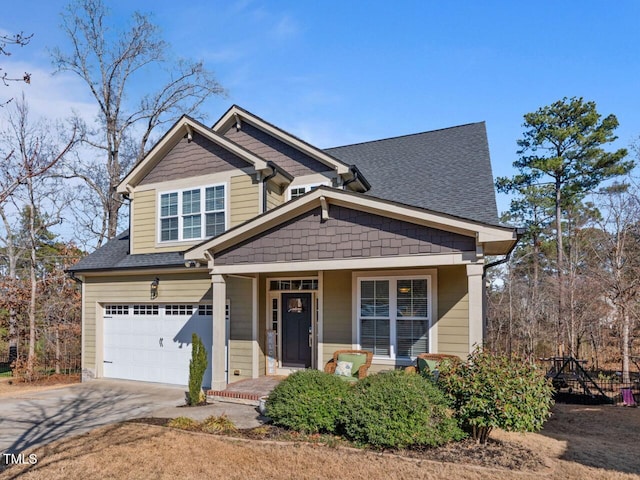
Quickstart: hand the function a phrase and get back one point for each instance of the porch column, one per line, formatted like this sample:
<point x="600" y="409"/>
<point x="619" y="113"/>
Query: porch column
<point x="218" y="376"/>
<point x="475" y="287"/>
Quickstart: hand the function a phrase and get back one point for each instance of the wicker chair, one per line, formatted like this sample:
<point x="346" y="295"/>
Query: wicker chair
<point x="437" y="357"/>
<point x="330" y="367"/>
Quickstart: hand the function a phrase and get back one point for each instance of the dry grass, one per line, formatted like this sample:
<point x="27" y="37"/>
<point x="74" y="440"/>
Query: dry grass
<point x="10" y="387"/>
<point x="578" y="443"/>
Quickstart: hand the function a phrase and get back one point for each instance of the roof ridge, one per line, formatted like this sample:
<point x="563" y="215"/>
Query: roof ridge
<point x="406" y="135"/>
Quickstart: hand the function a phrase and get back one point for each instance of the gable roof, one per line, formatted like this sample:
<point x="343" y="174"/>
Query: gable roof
<point x="237" y="115"/>
<point x="186" y="126"/>
<point x="446" y="170"/>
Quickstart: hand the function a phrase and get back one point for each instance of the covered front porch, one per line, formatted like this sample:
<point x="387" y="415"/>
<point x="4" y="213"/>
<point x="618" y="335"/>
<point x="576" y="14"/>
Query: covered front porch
<point x="332" y="271"/>
<point x="279" y="322"/>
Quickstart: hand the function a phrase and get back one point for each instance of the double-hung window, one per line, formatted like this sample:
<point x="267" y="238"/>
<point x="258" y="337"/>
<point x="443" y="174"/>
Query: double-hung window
<point x="192" y="214"/>
<point x="394" y="315"/>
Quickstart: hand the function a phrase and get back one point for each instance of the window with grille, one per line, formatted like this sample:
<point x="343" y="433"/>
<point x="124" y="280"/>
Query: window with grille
<point x="145" y="309"/>
<point x="205" y="310"/>
<point x="179" y="310"/>
<point x="116" y="309"/>
<point x="394" y="315"/>
<point x="192" y="214"/>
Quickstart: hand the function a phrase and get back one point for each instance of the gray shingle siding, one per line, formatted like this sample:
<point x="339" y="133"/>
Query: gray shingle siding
<point x="447" y="171"/>
<point x="346" y="234"/>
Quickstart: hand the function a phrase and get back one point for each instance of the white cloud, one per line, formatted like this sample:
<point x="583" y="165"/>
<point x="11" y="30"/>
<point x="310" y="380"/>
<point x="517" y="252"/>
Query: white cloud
<point x="49" y="96"/>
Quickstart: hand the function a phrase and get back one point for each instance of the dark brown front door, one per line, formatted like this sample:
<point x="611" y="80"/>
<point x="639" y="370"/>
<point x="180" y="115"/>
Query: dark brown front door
<point x="296" y="329"/>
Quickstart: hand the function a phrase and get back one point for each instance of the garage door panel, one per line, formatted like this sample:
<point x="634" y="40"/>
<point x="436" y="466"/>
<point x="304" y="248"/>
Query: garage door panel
<point x="154" y="347"/>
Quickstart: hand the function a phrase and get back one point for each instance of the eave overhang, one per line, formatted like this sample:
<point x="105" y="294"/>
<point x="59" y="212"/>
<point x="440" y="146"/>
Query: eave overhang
<point x="491" y="239"/>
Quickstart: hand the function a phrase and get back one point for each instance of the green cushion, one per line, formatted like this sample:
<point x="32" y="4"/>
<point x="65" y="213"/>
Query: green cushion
<point x="357" y="359"/>
<point x="426" y="365"/>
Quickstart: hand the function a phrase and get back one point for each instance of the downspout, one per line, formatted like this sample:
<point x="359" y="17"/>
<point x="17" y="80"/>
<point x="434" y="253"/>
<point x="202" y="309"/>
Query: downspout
<point x="127" y="197"/>
<point x="519" y="233"/>
<point x="354" y="178"/>
<point x="273" y="173"/>
<point x="72" y="276"/>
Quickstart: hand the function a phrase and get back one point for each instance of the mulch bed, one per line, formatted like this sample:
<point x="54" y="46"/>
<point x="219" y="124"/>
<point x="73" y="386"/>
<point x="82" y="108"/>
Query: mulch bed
<point x="496" y="453"/>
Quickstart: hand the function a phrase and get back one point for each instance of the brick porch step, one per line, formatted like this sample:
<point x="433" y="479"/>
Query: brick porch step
<point x="234" y="397"/>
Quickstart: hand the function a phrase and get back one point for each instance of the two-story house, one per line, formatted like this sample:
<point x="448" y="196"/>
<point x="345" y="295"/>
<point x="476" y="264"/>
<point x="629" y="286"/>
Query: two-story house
<point x="277" y="253"/>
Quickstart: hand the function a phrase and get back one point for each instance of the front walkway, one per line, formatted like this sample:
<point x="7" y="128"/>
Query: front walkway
<point x="246" y="391"/>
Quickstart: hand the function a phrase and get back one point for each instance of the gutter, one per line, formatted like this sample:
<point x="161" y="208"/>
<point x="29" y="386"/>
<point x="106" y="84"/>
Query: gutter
<point x="356" y="176"/>
<point x="519" y="234"/>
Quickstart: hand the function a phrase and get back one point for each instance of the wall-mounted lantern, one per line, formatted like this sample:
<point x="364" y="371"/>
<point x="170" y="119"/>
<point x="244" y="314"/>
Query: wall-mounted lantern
<point x="154" y="288"/>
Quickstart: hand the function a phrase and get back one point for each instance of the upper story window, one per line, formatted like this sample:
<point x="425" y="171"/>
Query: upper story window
<point x="192" y="214"/>
<point x="299" y="190"/>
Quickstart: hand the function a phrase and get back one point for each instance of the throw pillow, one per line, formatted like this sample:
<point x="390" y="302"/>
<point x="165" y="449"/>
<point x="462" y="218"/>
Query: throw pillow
<point x="344" y="369"/>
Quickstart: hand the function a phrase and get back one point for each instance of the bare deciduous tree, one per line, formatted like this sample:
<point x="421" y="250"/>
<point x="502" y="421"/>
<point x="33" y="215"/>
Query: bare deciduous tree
<point x="109" y="60"/>
<point x="37" y="200"/>
<point x="6" y="42"/>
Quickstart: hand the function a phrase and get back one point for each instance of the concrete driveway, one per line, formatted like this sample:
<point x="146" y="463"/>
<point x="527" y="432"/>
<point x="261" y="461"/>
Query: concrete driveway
<point x="37" y="418"/>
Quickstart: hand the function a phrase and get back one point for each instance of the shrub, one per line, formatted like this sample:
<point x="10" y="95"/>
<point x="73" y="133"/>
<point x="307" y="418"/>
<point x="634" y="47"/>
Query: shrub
<point x="398" y="410"/>
<point x="307" y="401"/>
<point x="183" y="423"/>
<point x="220" y="424"/>
<point x="491" y="391"/>
<point x="197" y="367"/>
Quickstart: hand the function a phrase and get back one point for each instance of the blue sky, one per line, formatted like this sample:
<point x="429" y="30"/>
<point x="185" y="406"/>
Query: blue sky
<point x="339" y="72"/>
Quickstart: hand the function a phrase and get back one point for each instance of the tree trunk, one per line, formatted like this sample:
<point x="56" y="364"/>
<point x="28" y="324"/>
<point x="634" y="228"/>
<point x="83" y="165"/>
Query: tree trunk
<point x="32" y="299"/>
<point x="560" y="267"/>
<point x="57" y="336"/>
<point x="626" y="324"/>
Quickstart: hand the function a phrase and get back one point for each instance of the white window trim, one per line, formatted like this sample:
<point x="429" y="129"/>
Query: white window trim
<point x="307" y="187"/>
<point x="181" y="216"/>
<point x="395" y="275"/>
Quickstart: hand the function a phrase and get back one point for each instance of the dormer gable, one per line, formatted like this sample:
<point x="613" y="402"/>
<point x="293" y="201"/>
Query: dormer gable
<point x="294" y="155"/>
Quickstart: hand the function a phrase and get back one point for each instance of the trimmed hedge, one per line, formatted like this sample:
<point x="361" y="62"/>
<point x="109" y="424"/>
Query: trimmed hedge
<point x="398" y="410"/>
<point x="308" y="401"/>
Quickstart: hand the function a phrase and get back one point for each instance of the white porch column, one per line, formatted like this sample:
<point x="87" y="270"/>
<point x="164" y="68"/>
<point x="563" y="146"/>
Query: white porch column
<point x="218" y="377"/>
<point x="475" y="289"/>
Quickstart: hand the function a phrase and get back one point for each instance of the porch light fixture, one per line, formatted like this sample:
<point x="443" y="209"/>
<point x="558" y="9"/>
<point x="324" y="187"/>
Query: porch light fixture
<point x="404" y="289"/>
<point x="154" y="288"/>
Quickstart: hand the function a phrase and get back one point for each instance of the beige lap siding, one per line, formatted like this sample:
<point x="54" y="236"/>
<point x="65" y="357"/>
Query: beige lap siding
<point x="239" y="293"/>
<point x="243" y="205"/>
<point x="127" y="289"/>
<point x="453" y="311"/>
<point x="243" y="199"/>
<point x="337" y="322"/>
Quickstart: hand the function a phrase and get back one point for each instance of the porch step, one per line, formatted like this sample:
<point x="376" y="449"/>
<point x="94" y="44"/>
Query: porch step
<point x="234" y="397"/>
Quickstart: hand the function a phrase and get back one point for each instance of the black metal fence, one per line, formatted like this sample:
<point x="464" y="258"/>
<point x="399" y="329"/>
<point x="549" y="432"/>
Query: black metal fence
<point x="573" y="383"/>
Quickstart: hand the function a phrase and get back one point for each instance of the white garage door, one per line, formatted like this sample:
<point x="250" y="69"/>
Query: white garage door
<point x="152" y="343"/>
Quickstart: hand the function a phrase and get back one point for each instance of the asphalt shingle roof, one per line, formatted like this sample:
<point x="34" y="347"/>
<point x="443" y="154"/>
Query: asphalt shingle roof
<point x="447" y="171"/>
<point x="114" y="255"/>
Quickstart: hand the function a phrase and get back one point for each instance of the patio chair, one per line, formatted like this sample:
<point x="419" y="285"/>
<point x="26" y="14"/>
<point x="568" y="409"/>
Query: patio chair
<point x="360" y="362"/>
<point x="428" y="363"/>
